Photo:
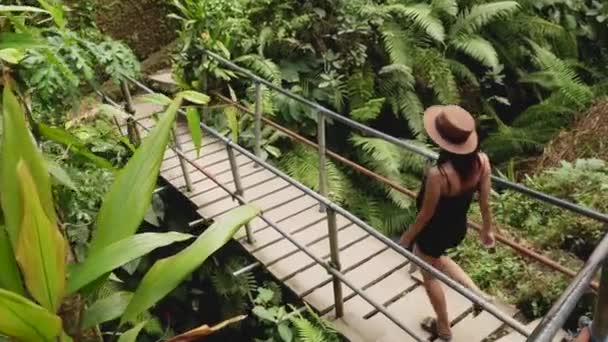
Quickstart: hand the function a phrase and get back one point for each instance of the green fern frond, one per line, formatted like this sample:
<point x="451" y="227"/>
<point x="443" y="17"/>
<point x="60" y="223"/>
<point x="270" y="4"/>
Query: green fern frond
<point x="307" y="331"/>
<point x="449" y="7"/>
<point x="566" y="80"/>
<point x="368" y="111"/>
<point x="470" y="21"/>
<point x="434" y="68"/>
<point x="412" y="109"/>
<point x="463" y="72"/>
<point x="360" y="87"/>
<point x="266" y="35"/>
<point x="262" y="66"/>
<point x="478" y="48"/>
<point x="539" y="27"/>
<point x="402" y="71"/>
<point x="302" y="163"/>
<point x="397" y="43"/>
<point x="396" y="219"/>
<point x="365" y="206"/>
<point x="422" y="16"/>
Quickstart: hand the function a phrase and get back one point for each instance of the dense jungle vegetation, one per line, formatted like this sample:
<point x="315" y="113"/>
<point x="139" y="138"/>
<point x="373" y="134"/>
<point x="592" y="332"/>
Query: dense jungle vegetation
<point x="526" y="69"/>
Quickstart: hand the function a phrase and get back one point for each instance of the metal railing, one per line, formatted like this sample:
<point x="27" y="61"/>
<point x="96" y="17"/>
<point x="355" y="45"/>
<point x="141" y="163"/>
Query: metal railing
<point x="544" y="332"/>
<point x="333" y="266"/>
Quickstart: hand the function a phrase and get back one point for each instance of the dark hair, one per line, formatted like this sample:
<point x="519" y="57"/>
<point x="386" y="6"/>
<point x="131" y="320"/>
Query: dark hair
<point x="464" y="164"/>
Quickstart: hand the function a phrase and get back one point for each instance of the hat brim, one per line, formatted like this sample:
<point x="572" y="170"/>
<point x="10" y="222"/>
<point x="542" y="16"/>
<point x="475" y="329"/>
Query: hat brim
<point x="430" y="116"/>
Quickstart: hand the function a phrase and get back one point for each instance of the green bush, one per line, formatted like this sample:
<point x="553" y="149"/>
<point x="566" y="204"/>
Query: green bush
<point x="583" y="182"/>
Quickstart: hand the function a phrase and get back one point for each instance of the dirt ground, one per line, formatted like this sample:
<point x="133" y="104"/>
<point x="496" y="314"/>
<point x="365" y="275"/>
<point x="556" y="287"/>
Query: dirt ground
<point x="142" y="24"/>
<point x="588" y="138"/>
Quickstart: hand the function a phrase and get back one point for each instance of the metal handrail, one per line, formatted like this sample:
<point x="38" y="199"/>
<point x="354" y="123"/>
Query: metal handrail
<point x="558" y="314"/>
<point x="522" y="250"/>
<point x="332" y="207"/>
<point x="411" y="147"/>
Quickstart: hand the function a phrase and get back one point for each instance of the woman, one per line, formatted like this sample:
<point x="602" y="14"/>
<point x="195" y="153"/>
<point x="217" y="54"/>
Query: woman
<point x="443" y="204"/>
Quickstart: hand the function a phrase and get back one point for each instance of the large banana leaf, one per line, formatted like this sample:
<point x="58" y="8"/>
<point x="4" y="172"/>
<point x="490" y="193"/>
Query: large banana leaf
<point x="131" y="335"/>
<point x="194" y="123"/>
<point x="106" y="309"/>
<point x="18" y="144"/>
<point x="166" y="274"/>
<point x="10" y="278"/>
<point x="128" y="199"/>
<point x="41" y="249"/>
<point x="117" y="254"/>
<point x="25" y="321"/>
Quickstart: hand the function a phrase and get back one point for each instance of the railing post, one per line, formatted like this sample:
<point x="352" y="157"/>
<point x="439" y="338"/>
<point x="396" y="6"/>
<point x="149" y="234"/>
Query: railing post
<point x="321" y="140"/>
<point x="258" y="120"/>
<point x="132" y="130"/>
<point x="599" y="328"/>
<point x="238" y="186"/>
<point x="182" y="162"/>
<point x="335" y="260"/>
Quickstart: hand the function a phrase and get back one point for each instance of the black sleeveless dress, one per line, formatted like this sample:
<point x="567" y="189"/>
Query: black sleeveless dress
<point x="448" y="226"/>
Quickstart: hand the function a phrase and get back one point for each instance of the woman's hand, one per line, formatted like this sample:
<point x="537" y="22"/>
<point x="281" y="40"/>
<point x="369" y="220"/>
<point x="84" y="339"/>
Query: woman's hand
<point x="406" y="239"/>
<point x="487" y="238"/>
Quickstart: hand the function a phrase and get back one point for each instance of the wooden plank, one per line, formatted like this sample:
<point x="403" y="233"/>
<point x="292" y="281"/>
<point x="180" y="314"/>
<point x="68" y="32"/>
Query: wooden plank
<point x="314" y="234"/>
<point x="264" y="201"/>
<point x="212" y="195"/>
<point x="246" y="166"/>
<point x="268" y="237"/>
<point x="278" y="214"/>
<point x="362" y="276"/>
<point x="187" y="145"/>
<point x="288" y="259"/>
<point x="203" y="161"/>
<point x="475" y="328"/>
<point x="210" y="152"/>
<point x="312" y="277"/>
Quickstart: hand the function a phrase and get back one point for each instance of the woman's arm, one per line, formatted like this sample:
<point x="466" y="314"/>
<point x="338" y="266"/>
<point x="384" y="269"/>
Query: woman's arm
<point x="487" y="234"/>
<point x="432" y="193"/>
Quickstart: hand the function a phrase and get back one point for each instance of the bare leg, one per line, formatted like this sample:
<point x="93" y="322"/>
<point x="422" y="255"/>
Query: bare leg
<point x="435" y="293"/>
<point x="448" y="266"/>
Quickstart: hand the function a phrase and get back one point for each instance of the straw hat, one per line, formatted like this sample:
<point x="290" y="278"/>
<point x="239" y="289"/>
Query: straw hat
<point x="452" y="128"/>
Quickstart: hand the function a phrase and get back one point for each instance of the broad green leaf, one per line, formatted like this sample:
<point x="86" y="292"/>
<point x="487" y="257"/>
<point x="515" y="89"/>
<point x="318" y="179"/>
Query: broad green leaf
<point x="8" y="8"/>
<point x="232" y="118"/>
<point x="155" y="98"/>
<point x="125" y="204"/>
<point x="63" y="137"/>
<point x="41" y="249"/>
<point x="195" y="97"/>
<point x="12" y="56"/>
<point x="117" y="254"/>
<point x="17" y="145"/>
<point x="285" y="332"/>
<point x="24" y="320"/>
<point x="194" y="123"/>
<point x="10" y="278"/>
<point x="60" y="175"/>
<point x="10" y="40"/>
<point x="131" y="334"/>
<point x="112" y="112"/>
<point x="56" y="12"/>
<point x="106" y="309"/>
<point x="166" y="274"/>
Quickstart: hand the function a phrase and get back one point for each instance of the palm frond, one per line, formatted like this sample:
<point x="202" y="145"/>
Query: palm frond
<point x="422" y="16"/>
<point x="412" y="109"/>
<point x="302" y="163"/>
<point x="470" y="21"/>
<point x="449" y="7"/>
<point x="478" y="48"/>
<point x="396" y="219"/>
<point x="402" y="71"/>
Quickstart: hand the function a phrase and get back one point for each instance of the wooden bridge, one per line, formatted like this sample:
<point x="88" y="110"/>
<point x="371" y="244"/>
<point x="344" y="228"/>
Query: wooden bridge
<point x="368" y="263"/>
